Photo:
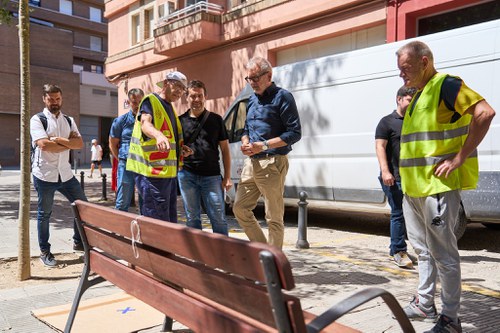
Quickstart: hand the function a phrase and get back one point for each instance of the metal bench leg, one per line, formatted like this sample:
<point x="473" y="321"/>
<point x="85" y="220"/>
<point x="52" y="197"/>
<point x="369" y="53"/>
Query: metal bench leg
<point x="167" y="324"/>
<point x="85" y="283"/>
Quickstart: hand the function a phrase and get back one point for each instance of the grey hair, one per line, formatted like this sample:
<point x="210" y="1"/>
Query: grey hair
<point x="262" y="63"/>
<point x="134" y="92"/>
<point x="417" y="49"/>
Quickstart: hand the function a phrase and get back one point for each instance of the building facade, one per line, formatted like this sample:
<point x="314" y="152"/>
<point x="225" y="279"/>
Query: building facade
<point x="213" y="40"/>
<point x="68" y="47"/>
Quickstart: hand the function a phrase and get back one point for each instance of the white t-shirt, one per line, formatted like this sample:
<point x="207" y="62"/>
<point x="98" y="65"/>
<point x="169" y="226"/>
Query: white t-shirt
<point x="96" y="153"/>
<point x="48" y="166"/>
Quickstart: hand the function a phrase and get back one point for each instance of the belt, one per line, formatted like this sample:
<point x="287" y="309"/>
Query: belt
<point x="260" y="156"/>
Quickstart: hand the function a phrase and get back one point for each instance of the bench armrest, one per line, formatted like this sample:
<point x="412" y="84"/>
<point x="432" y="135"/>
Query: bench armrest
<point x="355" y="300"/>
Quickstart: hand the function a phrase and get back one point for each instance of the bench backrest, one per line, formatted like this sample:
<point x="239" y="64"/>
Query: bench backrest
<point x="208" y="282"/>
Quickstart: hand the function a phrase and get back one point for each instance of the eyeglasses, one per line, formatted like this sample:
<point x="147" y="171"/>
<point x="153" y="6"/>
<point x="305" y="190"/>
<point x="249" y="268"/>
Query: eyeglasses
<point x="255" y="78"/>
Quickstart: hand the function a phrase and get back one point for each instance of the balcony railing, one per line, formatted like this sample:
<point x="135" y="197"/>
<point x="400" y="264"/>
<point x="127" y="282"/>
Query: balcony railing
<point x="199" y="7"/>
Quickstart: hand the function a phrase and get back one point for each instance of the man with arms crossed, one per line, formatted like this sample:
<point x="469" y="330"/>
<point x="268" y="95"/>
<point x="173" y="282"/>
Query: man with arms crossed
<point x="271" y="127"/>
<point x="119" y="142"/>
<point x="387" y="137"/>
<point x="442" y="128"/>
<point x="200" y="177"/>
<point x="53" y="138"/>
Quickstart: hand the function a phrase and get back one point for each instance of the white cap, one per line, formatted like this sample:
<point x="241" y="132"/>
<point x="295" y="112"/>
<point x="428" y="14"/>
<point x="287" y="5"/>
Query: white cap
<point x="94" y="141"/>
<point x="176" y="76"/>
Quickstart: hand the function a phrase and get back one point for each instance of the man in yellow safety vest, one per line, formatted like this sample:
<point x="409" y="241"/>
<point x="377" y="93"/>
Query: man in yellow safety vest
<point x="442" y="127"/>
<point x="156" y="149"/>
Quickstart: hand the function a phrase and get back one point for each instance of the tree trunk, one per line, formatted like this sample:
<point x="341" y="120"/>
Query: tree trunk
<point x="24" y="271"/>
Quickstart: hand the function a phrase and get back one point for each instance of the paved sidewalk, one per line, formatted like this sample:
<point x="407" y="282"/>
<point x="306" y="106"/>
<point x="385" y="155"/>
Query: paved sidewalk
<point x="337" y="264"/>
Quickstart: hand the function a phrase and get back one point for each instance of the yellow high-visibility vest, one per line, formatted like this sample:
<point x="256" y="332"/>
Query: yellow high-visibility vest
<point x="144" y="157"/>
<point x="425" y="142"/>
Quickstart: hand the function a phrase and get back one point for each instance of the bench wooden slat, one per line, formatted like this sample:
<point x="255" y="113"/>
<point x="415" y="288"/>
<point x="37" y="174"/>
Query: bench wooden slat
<point x="212" y="249"/>
<point x="225" y="289"/>
<point x="188" y="311"/>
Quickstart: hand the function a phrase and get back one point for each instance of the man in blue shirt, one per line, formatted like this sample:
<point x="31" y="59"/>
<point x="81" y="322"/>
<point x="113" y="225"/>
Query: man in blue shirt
<point x="271" y="127"/>
<point x="119" y="142"/>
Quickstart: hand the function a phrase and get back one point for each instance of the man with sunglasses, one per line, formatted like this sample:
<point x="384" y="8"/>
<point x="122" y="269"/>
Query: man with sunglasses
<point x="271" y="128"/>
<point x="156" y="147"/>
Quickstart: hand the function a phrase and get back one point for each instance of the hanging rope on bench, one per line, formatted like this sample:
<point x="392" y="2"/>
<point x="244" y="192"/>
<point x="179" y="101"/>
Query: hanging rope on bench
<point x="135" y="230"/>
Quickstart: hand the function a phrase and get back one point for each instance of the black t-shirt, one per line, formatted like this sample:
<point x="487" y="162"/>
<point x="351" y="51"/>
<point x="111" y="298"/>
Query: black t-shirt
<point x="205" y="159"/>
<point x="389" y="128"/>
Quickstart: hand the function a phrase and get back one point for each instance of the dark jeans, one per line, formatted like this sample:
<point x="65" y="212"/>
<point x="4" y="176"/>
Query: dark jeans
<point x="71" y="189"/>
<point x="159" y="197"/>
<point x="394" y="196"/>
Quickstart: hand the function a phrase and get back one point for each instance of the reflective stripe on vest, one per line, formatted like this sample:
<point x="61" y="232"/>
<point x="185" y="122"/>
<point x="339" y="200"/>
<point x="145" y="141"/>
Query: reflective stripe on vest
<point x="144" y="157"/>
<point x="425" y="142"/>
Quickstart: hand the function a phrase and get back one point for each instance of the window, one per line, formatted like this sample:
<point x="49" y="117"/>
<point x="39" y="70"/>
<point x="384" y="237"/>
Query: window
<point x="166" y="9"/>
<point x="66" y="7"/>
<point x="136" y="29"/>
<point x="235" y="121"/>
<point x="459" y="18"/>
<point x="34" y="2"/>
<point x="96" y="69"/>
<point x="95" y="14"/>
<point x="148" y="23"/>
<point x="192" y="2"/>
<point x="77" y="68"/>
<point x="99" y="92"/>
<point x="95" y="43"/>
<point x="113" y="93"/>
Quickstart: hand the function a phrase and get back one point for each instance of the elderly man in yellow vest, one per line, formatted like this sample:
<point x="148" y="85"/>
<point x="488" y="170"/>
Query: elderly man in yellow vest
<point x="156" y="149"/>
<point x="443" y="125"/>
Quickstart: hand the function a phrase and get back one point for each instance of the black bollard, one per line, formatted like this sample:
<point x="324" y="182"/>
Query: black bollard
<point x="104" y="197"/>
<point x="82" y="179"/>
<point x="302" y="242"/>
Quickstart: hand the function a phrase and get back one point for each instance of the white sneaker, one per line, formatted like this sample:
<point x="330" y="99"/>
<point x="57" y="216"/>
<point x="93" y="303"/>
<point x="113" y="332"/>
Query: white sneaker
<point x="402" y="260"/>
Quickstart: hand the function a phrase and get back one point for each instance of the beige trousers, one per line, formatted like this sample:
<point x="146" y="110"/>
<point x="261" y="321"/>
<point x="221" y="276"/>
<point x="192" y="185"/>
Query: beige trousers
<point x="262" y="176"/>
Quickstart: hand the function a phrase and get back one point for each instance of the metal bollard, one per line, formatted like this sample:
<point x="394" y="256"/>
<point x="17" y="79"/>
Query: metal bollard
<point x="302" y="242"/>
<point x="104" y="197"/>
<point x="82" y="179"/>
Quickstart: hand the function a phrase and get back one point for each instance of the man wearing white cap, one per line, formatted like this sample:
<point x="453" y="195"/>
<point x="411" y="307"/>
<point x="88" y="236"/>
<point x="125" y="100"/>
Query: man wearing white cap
<point x="156" y="149"/>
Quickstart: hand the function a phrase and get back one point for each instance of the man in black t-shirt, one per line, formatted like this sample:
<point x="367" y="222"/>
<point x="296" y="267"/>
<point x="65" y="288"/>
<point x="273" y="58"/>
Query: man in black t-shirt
<point x="200" y="178"/>
<point x="387" y="140"/>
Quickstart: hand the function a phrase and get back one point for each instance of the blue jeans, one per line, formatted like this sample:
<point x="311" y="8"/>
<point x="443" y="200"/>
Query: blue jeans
<point x="71" y="189"/>
<point x="195" y="188"/>
<point x="125" y="186"/>
<point x="394" y="196"/>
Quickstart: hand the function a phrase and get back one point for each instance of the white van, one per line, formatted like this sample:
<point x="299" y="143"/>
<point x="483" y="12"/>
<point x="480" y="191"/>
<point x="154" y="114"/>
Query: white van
<point x="341" y="99"/>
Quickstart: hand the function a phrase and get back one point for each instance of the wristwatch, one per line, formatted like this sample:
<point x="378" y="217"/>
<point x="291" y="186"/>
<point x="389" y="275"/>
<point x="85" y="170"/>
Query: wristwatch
<point x="265" y="145"/>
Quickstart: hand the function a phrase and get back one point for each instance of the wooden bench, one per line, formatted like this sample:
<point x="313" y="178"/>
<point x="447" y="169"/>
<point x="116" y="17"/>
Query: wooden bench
<point x="208" y="282"/>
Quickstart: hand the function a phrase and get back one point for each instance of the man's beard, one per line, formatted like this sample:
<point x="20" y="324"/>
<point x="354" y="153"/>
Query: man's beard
<point x="54" y="109"/>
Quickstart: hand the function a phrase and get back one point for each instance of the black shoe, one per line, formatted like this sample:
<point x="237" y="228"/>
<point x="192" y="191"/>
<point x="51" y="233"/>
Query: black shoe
<point x="446" y="325"/>
<point x="78" y="247"/>
<point x="48" y="259"/>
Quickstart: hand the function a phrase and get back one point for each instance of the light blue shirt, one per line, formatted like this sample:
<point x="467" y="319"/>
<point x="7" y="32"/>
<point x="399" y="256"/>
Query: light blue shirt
<point x="122" y="128"/>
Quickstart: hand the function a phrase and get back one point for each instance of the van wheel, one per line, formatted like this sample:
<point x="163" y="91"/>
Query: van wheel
<point x="461" y="223"/>
<point x="492" y="226"/>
